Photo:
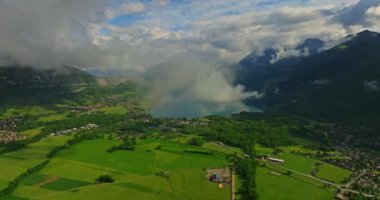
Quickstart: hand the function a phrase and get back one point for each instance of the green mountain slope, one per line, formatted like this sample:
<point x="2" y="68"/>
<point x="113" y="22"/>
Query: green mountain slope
<point x="26" y="84"/>
<point x="34" y="77"/>
<point x="340" y="84"/>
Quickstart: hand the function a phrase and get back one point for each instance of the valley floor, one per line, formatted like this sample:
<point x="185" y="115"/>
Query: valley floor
<point x="162" y="165"/>
<point x="71" y="175"/>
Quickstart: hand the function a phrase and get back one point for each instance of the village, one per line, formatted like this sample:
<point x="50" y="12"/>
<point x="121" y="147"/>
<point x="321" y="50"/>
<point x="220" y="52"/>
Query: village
<point x="7" y="133"/>
<point x="10" y="123"/>
<point x="11" y="136"/>
<point x="74" y="130"/>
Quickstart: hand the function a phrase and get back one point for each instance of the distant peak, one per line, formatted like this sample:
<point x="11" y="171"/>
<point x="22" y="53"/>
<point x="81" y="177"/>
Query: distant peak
<point x="368" y="33"/>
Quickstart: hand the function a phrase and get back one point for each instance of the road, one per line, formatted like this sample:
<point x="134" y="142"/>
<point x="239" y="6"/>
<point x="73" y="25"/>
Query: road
<point x="344" y="188"/>
<point x="310" y="176"/>
<point x="347" y="185"/>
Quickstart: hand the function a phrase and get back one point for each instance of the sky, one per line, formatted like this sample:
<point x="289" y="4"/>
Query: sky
<point x="194" y="38"/>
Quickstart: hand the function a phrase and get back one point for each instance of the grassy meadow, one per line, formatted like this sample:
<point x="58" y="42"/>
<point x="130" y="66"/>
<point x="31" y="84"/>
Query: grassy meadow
<point x="30" y="110"/>
<point x="71" y="175"/>
<point x="116" y="110"/>
<point x="33" y="132"/>
<point x="288" y="188"/>
<point x="333" y="173"/>
<point x="14" y="163"/>
<point x="53" y="117"/>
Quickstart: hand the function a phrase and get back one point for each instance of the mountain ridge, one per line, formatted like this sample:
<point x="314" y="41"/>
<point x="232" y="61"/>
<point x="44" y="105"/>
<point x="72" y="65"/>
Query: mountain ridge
<point x="39" y="77"/>
<point x="337" y="84"/>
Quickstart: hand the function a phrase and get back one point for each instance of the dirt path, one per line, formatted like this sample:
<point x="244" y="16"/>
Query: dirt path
<point x="233" y="185"/>
<point x="50" y="179"/>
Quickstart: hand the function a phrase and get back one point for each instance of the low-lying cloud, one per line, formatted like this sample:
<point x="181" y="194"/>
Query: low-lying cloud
<point x="189" y="87"/>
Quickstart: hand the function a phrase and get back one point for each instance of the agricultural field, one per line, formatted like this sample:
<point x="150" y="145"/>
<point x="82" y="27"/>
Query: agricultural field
<point x="296" y="185"/>
<point x="30" y="110"/>
<point x="226" y="149"/>
<point x="306" y="165"/>
<point x="297" y="162"/>
<point x="14" y="163"/>
<point x="33" y="132"/>
<point x="116" y="110"/>
<point x="53" y="117"/>
<point x="287" y="187"/>
<point x="260" y="150"/>
<point x="333" y="173"/>
<point x="298" y="148"/>
<point x="71" y="175"/>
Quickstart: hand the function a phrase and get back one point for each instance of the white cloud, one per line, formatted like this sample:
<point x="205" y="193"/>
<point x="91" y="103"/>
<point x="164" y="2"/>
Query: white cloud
<point x="192" y="87"/>
<point x="374" y="11"/>
<point x="372" y="85"/>
<point x="373" y="16"/>
<point x="134" y="7"/>
<point x="128" y="8"/>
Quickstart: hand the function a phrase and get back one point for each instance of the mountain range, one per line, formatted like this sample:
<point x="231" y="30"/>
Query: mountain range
<point x="40" y="77"/>
<point x="338" y="84"/>
<point x="21" y="84"/>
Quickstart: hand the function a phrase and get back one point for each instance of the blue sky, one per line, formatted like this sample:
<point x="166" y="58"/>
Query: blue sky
<point x="182" y="12"/>
<point x="185" y="10"/>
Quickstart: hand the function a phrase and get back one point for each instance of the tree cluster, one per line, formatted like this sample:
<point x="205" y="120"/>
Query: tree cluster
<point x="128" y="144"/>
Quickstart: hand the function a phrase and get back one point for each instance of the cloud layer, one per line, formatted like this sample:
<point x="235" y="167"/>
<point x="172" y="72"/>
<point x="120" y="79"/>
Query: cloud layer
<point x="195" y="88"/>
<point x="172" y="38"/>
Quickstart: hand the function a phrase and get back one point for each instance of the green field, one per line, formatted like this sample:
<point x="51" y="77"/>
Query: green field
<point x="297" y="162"/>
<point x="117" y="110"/>
<point x="53" y="117"/>
<point x="301" y="177"/>
<point x="14" y="163"/>
<point x="296" y="186"/>
<point x="30" y="110"/>
<point x="299" y="148"/>
<point x="263" y="150"/>
<point x="305" y="165"/>
<point x="333" y="173"/>
<point x="71" y="175"/>
<point x="226" y="149"/>
<point x="145" y="160"/>
<point x="271" y="187"/>
<point x="187" y="184"/>
<point x="33" y="132"/>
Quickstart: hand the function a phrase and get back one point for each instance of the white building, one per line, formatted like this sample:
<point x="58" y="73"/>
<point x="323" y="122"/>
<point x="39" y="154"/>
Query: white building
<point x="276" y="160"/>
